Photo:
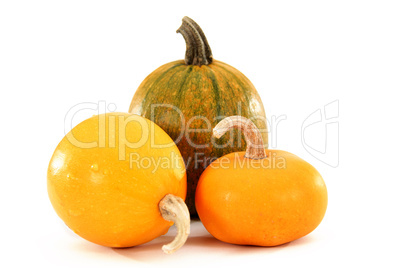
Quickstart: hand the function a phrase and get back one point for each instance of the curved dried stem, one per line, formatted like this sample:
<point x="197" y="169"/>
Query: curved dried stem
<point x="173" y="208"/>
<point x="255" y="144"/>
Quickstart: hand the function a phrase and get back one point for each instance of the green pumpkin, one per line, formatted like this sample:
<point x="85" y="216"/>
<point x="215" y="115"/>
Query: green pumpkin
<point x="187" y="98"/>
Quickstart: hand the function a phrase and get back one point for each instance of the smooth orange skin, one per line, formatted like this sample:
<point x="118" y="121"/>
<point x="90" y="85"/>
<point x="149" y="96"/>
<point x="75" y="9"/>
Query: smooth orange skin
<point x="261" y="204"/>
<point x="99" y="196"/>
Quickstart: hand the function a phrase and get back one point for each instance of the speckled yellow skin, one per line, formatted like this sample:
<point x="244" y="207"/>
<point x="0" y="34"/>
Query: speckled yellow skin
<point x="203" y="95"/>
<point x="102" y="198"/>
<point x="265" y="202"/>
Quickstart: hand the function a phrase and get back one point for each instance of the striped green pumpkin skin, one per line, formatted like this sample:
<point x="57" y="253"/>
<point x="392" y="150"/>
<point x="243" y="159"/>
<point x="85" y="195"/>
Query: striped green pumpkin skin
<point x="203" y="95"/>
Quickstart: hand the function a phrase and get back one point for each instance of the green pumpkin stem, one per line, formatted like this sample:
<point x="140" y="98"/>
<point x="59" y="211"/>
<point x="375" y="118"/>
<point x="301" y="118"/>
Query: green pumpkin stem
<point x="255" y="143"/>
<point x="198" y="51"/>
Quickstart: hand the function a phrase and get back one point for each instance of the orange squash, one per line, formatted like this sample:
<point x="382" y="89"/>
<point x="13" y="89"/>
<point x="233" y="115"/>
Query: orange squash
<point x="118" y="180"/>
<point x="259" y="197"/>
<point x="186" y="97"/>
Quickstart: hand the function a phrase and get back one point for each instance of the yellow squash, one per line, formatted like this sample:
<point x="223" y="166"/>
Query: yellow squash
<point x="118" y="180"/>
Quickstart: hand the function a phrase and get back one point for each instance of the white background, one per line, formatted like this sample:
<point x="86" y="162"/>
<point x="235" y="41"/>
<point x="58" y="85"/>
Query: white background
<point x="300" y="55"/>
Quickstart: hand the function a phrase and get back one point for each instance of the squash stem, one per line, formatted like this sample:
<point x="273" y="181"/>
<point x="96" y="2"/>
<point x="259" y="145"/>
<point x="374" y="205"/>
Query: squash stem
<point x="255" y="144"/>
<point x="173" y="208"/>
<point x="198" y="51"/>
